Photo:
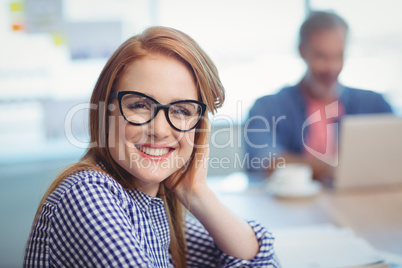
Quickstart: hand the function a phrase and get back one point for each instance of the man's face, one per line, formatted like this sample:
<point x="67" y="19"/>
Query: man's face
<point x="323" y="53"/>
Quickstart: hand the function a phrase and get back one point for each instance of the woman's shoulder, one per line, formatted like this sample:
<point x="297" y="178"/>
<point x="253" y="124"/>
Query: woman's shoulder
<point x="87" y="182"/>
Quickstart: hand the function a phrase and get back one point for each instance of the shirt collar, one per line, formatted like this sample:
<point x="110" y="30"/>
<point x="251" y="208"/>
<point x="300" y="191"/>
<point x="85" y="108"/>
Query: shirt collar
<point x="339" y="89"/>
<point x="143" y="200"/>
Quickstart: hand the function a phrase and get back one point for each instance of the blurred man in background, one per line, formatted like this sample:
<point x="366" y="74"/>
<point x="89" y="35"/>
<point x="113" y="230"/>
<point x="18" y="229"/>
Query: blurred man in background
<point x="299" y="122"/>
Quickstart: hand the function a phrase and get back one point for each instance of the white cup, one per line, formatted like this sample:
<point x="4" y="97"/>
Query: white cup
<point x="292" y="178"/>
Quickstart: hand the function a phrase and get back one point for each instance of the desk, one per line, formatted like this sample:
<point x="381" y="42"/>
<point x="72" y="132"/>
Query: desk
<point x="374" y="214"/>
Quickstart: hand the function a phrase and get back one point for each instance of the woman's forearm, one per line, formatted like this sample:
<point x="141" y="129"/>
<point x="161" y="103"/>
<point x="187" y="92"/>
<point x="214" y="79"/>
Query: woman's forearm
<point x="232" y="235"/>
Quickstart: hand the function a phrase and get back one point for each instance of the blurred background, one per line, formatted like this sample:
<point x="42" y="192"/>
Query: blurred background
<point x="51" y="52"/>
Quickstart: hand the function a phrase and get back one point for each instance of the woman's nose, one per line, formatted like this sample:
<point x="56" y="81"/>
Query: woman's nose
<point x="159" y="127"/>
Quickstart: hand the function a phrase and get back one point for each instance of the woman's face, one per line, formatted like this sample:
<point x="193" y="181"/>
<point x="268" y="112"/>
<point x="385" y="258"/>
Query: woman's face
<point x="153" y="151"/>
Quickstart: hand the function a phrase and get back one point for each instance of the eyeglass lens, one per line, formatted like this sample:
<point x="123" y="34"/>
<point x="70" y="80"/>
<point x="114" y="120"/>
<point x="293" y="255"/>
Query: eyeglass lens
<point x="140" y="110"/>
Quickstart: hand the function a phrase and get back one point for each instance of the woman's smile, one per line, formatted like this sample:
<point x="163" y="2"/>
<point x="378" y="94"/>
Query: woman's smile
<point x="154" y="152"/>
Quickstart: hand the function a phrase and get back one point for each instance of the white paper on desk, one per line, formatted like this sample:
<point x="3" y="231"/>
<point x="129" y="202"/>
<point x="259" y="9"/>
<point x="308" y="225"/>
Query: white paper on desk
<point x="327" y="248"/>
<point x="326" y="231"/>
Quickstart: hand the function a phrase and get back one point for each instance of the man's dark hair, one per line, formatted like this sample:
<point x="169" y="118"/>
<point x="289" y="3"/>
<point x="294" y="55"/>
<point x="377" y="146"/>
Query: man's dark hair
<point x="320" y="20"/>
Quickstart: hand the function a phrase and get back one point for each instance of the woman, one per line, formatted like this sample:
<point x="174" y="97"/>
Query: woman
<point x="122" y="204"/>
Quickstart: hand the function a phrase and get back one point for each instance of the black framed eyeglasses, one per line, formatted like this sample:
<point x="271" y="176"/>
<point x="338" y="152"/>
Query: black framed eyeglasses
<point x="139" y="109"/>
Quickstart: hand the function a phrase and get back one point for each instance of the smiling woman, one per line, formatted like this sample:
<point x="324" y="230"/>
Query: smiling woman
<point x="167" y="79"/>
<point x="122" y="204"/>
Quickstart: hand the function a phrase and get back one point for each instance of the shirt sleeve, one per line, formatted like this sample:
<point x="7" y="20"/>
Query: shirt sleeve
<point x="380" y="105"/>
<point x="203" y="252"/>
<point x="91" y="228"/>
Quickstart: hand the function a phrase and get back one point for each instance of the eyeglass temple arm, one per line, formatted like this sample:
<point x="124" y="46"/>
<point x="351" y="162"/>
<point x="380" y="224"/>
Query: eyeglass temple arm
<point x="114" y="95"/>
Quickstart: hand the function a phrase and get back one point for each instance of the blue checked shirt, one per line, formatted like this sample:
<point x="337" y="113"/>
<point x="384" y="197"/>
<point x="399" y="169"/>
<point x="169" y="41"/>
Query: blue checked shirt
<point x="91" y="221"/>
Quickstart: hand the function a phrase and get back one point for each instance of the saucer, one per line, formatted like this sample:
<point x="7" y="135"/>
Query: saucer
<point x="309" y="190"/>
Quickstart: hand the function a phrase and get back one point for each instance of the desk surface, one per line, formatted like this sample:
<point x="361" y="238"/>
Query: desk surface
<point x="374" y="214"/>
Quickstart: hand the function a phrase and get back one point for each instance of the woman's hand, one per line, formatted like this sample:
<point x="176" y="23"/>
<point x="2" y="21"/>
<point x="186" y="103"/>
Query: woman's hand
<point x="194" y="182"/>
<point x="231" y="234"/>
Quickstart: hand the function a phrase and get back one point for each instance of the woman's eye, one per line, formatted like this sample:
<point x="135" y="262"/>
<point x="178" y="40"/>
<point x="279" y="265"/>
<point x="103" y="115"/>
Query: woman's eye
<point x="181" y="111"/>
<point x="139" y="105"/>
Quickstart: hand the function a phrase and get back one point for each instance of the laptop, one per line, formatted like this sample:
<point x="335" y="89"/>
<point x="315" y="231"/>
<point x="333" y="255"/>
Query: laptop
<point x="370" y="152"/>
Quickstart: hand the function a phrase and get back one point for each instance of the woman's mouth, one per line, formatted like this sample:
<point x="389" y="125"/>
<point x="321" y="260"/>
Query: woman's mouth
<point x="154" y="152"/>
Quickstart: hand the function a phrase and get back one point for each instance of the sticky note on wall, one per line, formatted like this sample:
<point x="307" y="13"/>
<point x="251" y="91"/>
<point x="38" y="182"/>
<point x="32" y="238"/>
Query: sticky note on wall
<point x="59" y="39"/>
<point x="16" y="6"/>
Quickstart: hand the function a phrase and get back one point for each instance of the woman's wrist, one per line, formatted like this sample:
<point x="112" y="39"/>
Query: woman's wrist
<point x="195" y="197"/>
<point x="200" y="199"/>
